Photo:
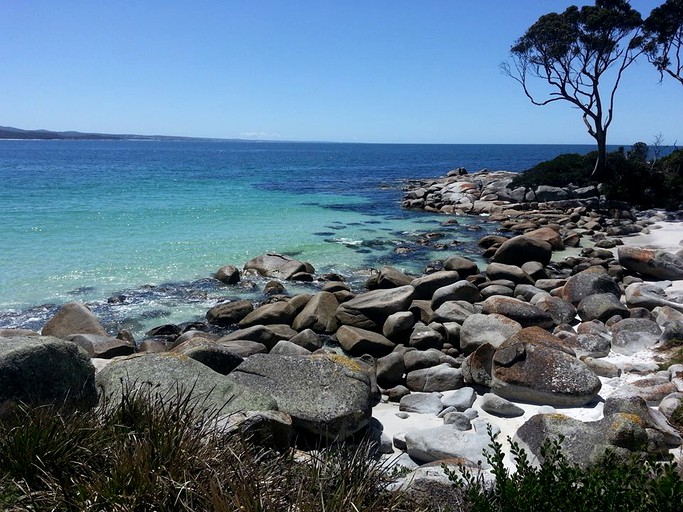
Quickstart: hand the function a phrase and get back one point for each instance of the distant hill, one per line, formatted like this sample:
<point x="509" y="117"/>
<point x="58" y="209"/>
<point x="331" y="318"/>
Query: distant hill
<point x="7" y="132"/>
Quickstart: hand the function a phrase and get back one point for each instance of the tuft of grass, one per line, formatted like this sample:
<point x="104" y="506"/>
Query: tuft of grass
<point x="150" y="452"/>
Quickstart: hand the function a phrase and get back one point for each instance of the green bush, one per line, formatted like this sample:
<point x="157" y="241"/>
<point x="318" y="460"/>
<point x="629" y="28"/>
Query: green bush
<point x="559" y="172"/>
<point x="612" y="485"/>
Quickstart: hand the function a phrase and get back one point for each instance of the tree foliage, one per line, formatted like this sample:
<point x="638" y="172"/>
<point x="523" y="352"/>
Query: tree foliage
<point x="663" y="41"/>
<point x="573" y="51"/>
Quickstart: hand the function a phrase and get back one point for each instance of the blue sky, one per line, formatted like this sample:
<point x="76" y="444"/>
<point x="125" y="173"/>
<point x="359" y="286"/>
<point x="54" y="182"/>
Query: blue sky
<point x="346" y="70"/>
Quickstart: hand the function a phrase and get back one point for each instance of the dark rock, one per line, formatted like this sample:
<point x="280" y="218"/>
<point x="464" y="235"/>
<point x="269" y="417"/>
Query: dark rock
<point x="601" y="306"/>
<point x="462" y="266"/>
<point x="229" y="313"/>
<point x="512" y="273"/>
<point x="40" y="370"/>
<point x="276" y="265"/>
<point x="589" y="282"/>
<point x="478" y="366"/>
<point x="460" y="290"/>
<point x="275" y="313"/>
<point x="308" y="339"/>
<point x="357" y="341"/>
<point x="217" y="356"/>
<point x="526" y="314"/>
<point x="520" y="249"/>
<point x="559" y="310"/>
<point x="398" y="324"/>
<point x="390" y="277"/>
<point x="370" y="310"/>
<point x="425" y="286"/>
<point x="318" y="314"/>
<point x="424" y="337"/>
<point x="104" y="347"/>
<point x="390" y="370"/>
<point x="228" y="274"/>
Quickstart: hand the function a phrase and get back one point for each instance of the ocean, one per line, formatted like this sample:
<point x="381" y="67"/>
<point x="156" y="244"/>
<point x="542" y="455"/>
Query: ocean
<point x="136" y="229"/>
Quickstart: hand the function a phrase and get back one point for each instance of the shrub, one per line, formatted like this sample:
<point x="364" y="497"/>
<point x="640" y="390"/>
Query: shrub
<point x="558" y="172"/>
<point x="611" y="485"/>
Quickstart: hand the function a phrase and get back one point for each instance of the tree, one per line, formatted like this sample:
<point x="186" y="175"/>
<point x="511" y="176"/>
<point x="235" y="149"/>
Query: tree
<point x="573" y="52"/>
<point x="664" y="39"/>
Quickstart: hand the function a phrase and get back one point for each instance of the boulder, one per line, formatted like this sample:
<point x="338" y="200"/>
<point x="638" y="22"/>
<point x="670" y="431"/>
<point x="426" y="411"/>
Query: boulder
<point x="228" y="274"/>
<point x="229" y="313"/>
<point x="526" y="314"/>
<point x="459" y="291"/>
<point x="533" y="366"/>
<point x="651" y="262"/>
<point x="649" y="296"/>
<point x="268" y="335"/>
<point x="547" y="235"/>
<point x="479" y="329"/>
<point x="308" y="339"/>
<point x="326" y="395"/>
<point x="498" y="406"/>
<point x="370" y="310"/>
<point x="601" y="306"/>
<point x="390" y="277"/>
<point x="478" y="366"/>
<point x="561" y="311"/>
<point x="460" y="399"/>
<point x="357" y="341"/>
<point x="277" y="266"/>
<point x="398" y="324"/>
<point x="425" y="286"/>
<point x="589" y="282"/>
<point x="445" y="442"/>
<point x="632" y="335"/>
<point x="520" y="249"/>
<point x="424" y="337"/>
<point x="287" y="348"/>
<point x="627" y="428"/>
<point x="274" y="313"/>
<point x="496" y="271"/>
<point x="421" y="403"/>
<point x="318" y="314"/>
<point x="73" y="318"/>
<point x="45" y="370"/>
<point x="172" y="377"/>
<point x="219" y="357"/>
<point x="442" y="377"/>
<point x="462" y="266"/>
<point x="416" y="359"/>
<point x="103" y="347"/>
<point x="390" y="370"/>
<point x="453" y="311"/>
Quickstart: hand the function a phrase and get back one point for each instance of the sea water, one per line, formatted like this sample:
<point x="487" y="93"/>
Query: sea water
<point x="136" y="229"/>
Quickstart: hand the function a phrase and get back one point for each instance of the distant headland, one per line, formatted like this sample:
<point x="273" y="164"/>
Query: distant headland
<point x="7" y="132"/>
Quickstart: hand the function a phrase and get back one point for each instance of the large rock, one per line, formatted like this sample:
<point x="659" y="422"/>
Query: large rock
<point x="390" y="277"/>
<point x="589" y="282"/>
<point x="526" y="314"/>
<point x="219" y="357"/>
<point x="425" y="286"/>
<point x="462" y="266"/>
<point x="627" y="428"/>
<point x="632" y="335"/>
<point x="318" y="314"/>
<point x="274" y="313"/>
<point x="229" y="313"/>
<point x="268" y="335"/>
<point x="649" y="296"/>
<point x="547" y="235"/>
<point x="103" y="347"/>
<point x="427" y="445"/>
<point x="442" y="377"/>
<point x="460" y="290"/>
<point x="45" y="370"/>
<point x="73" y="318"/>
<point x="478" y="366"/>
<point x="497" y="271"/>
<point x="561" y="311"/>
<point x="370" y="310"/>
<point x="358" y="341"/>
<point x="650" y="262"/>
<point x="328" y="396"/>
<point x="479" y="329"/>
<point x="533" y="366"/>
<point x="520" y="249"/>
<point x="601" y="306"/>
<point x="276" y="265"/>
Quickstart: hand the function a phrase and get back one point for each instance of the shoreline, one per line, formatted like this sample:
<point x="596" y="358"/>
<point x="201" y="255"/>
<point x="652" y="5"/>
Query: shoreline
<point x="599" y="321"/>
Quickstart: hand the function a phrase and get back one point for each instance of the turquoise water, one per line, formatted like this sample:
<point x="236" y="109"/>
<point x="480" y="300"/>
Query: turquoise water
<point x="135" y="228"/>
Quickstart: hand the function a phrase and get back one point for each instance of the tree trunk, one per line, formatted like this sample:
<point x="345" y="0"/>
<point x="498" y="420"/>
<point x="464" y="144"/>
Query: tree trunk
<point x="601" y="162"/>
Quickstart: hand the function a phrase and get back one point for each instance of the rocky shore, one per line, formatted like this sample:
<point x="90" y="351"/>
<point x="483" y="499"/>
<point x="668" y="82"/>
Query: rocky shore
<point x="566" y="330"/>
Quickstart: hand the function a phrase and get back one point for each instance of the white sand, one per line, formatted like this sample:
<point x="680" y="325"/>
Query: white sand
<point x="666" y="236"/>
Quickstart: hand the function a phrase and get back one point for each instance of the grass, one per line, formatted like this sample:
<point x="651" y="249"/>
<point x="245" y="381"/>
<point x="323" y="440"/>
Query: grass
<point x="149" y="453"/>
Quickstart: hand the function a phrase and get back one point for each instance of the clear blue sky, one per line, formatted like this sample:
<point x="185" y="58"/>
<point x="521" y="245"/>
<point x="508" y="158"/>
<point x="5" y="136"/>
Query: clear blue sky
<point x="345" y="70"/>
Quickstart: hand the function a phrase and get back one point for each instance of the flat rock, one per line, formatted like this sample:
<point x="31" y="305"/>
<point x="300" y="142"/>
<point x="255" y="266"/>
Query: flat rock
<point x="422" y="403"/>
<point x="498" y="406"/>
<point x="442" y="377"/>
<point x="370" y="310"/>
<point x="357" y="341"/>
<point x="427" y="445"/>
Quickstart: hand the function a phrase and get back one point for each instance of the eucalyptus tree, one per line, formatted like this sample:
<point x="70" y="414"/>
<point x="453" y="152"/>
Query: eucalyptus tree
<point x="664" y="39"/>
<point x="582" y="54"/>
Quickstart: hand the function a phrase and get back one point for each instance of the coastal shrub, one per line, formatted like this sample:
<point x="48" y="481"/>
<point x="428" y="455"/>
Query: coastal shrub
<point x="147" y="452"/>
<point x="558" y="172"/>
<point x="613" y="484"/>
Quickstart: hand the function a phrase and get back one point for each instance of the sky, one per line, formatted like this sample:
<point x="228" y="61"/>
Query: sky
<point x="396" y="71"/>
